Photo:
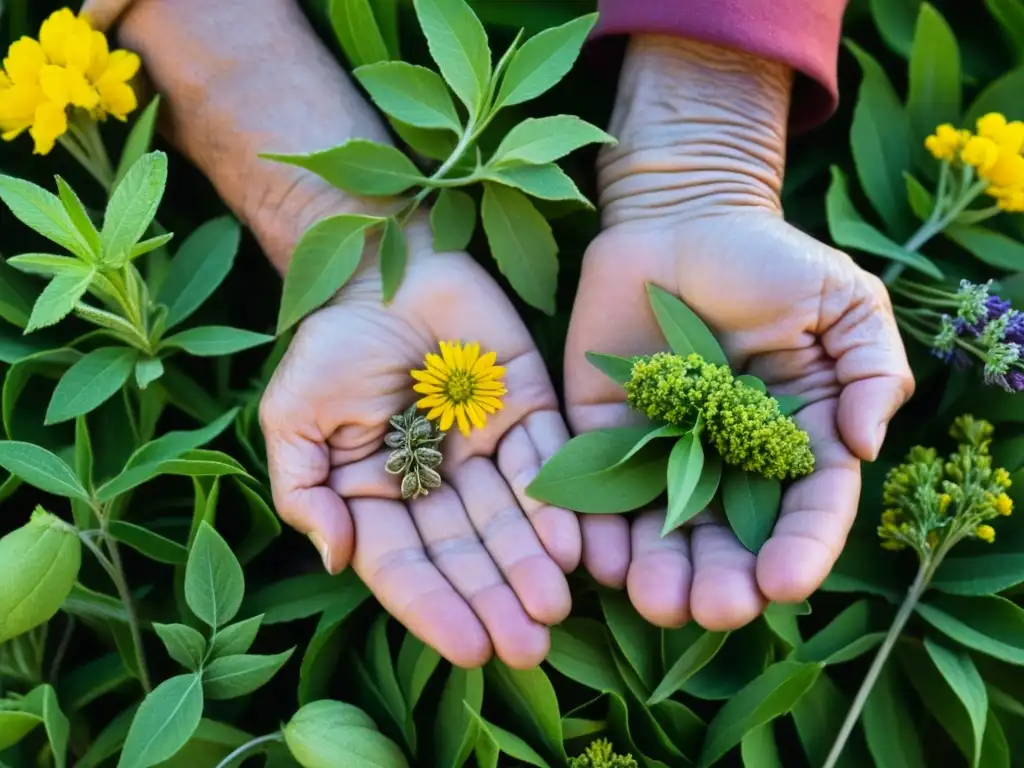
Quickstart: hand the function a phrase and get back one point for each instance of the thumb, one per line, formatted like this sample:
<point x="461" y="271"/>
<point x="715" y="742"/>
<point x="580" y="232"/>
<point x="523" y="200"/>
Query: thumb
<point x="103" y="13"/>
<point x="871" y="361"/>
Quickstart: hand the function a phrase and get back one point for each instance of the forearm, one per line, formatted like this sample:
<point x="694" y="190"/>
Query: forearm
<point x="241" y="77"/>
<point x="697" y="125"/>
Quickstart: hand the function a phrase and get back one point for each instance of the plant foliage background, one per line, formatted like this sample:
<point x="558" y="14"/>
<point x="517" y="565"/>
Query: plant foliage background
<point x="772" y="693"/>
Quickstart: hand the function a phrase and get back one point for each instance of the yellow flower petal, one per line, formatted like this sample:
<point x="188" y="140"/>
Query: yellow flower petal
<point x="18" y="106"/>
<point x="116" y="99"/>
<point x="460" y="417"/>
<point x="476" y="415"/>
<point x="50" y="123"/>
<point x="54" y="33"/>
<point x="25" y="58"/>
<point x="484" y="362"/>
<point x="437" y="366"/>
<point x="99" y="56"/>
<point x="426" y="377"/>
<point x="491" y="403"/>
<point x="471" y="353"/>
<point x="448" y="355"/>
<point x="494" y="372"/>
<point x="5" y="81"/>
<point x="435" y="412"/>
<point x="427" y="389"/>
<point x="56" y="84"/>
<point x="121" y="67"/>
<point x="431" y="401"/>
<point x="447" y="417"/>
<point x="991" y="124"/>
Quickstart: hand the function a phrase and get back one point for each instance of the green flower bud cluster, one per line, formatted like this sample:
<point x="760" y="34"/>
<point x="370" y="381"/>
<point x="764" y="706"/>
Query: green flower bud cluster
<point x="744" y="424"/>
<point x="417" y="454"/>
<point x="600" y="754"/>
<point x="932" y="503"/>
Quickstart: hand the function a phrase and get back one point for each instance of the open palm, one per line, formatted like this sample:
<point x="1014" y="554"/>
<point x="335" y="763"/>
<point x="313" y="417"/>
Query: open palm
<point x="476" y="566"/>
<point x="786" y="308"/>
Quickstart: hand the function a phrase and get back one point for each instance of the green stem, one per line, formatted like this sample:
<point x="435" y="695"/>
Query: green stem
<point x="917" y="588"/>
<point x="251" y="748"/>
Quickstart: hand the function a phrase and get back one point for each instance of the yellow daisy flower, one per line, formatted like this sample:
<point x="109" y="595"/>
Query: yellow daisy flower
<point x="460" y="386"/>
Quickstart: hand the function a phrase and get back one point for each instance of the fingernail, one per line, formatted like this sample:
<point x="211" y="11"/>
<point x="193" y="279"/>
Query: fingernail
<point x="322" y="548"/>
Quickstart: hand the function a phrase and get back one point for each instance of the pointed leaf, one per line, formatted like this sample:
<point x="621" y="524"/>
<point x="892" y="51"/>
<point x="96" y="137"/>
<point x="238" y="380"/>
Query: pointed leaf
<point x="618" y="369"/>
<point x="236" y="639"/>
<point x="547" y="182"/>
<point x="139" y="140"/>
<point x="394" y="251"/>
<point x="202" y="262"/>
<point x="963" y="677"/>
<point x="357" y="31"/>
<point x="458" y="45"/>
<point x="132" y="206"/>
<point x="216" y="340"/>
<point x="58" y="299"/>
<point x="537" y="141"/>
<point x="230" y="677"/>
<point x="164" y="723"/>
<point x="184" y="644"/>
<point x="79" y="217"/>
<point x="152" y="545"/>
<point x="453" y="219"/>
<point x="214" y="584"/>
<point x="694" y="658"/>
<point x="685" y="466"/>
<point x="90" y="382"/>
<point x="415" y="95"/>
<point x="684" y="331"/>
<point x="43" y="212"/>
<point x="42" y="469"/>
<point x="543" y="61"/>
<point x="359" y="166"/>
<point x="751" y="505"/>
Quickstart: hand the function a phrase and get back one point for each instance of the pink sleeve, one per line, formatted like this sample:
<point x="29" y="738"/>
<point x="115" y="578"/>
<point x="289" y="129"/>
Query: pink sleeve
<point x="801" y="33"/>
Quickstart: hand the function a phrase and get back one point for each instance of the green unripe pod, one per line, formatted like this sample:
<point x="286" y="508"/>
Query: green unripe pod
<point x="39" y="565"/>
<point x="331" y="734"/>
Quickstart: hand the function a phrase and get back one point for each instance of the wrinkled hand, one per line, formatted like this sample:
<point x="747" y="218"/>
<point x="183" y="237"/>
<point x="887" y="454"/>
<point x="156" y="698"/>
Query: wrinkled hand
<point x="476" y="563"/>
<point x="702" y="221"/>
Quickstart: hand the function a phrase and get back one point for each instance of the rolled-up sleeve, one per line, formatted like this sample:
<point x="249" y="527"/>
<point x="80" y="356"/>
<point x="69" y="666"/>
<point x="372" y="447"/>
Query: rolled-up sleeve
<point x="801" y="33"/>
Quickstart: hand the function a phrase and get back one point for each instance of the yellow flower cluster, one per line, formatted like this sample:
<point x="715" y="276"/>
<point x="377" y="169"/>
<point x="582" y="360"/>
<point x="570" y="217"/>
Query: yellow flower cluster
<point x="601" y="754"/>
<point x="931" y="502"/>
<point x="744" y="424"/>
<point x="994" y="152"/>
<point x="69" y="67"/>
<point x="461" y="386"/>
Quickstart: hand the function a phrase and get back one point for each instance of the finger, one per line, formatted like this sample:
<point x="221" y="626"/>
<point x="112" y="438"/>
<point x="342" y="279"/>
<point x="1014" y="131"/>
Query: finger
<point x="816" y="516"/>
<point x="299" y="466"/>
<point x="392" y="563"/>
<point x="535" y="578"/>
<point x="456" y="550"/>
<point x="871" y="364"/>
<point x="366" y="478"/>
<point x="660" y="573"/>
<point x="103" y="13"/>
<point x="725" y="593"/>
<point x="521" y="454"/>
<point x="606" y="548"/>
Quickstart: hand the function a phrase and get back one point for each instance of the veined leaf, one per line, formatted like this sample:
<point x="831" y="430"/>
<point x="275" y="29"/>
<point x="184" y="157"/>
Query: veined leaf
<point x="394" y="251"/>
<point x="80" y="218"/>
<point x="152" y="545"/>
<point x="232" y="676"/>
<point x="933" y="96"/>
<point x="685" y="467"/>
<point x="164" y="723"/>
<point x="90" y="382"/>
<point x="357" y="31"/>
<point x="618" y="369"/>
<point x="50" y="265"/>
<point x="43" y="212"/>
<point x="988" y="246"/>
<point x="359" y="166"/>
<point x="216" y="340"/>
<point x="132" y="206"/>
<point x="184" y="644"/>
<point x="751" y="505"/>
<point x="537" y="141"/>
<point x="58" y="299"/>
<point x="547" y="182"/>
<point x="202" y="262"/>
<point x="684" y="331"/>
<point x="139" y="140"/>
<point x="453" y="219"/>
<point x="458" y="45"/>
<point x="415" y="95"/>
<point x="214" y="584"/>
<point x="41" y="469"/>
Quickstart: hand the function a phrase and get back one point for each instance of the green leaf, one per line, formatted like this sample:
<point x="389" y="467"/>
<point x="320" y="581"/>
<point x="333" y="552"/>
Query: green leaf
<point x="431" y="143"/>
<point x="855" y="631"/>
<point x="41" y="469"/>
<point x="1010" y="15"/>
<point x="547" y="182"/>
<point x="895" y="22"/>
<point x="79" y="217"/>
<point x="417" y="663"/>
<point x="522" y="244"/>
<point x="43" y="212"/>
<point x="694" y="658"/>
<point x="303" y="596"/>
<point x="90" y="382"/>
<point x="415" y="95"/>
<point x="497" y="740"/>
<point x="216" y="340"/>
<point x="15" y="726"/>
<point x="770" y="695"/>
<point x="991" y="625"/>
<point x="325" y="258"/>
<point x="618" y="369"/>
<point x="991" y="247"/>
<point x="382" y="669"/>
<point x="818" y="716"/>
<point x="985" y="574"/>
<point x="202" y="262"/>
<point x="152" y="545"/>
<point x="685" y="468"/>
<point x="325" y="647"/>
<point x="933" y="95"/>
<point x="229" y="677"/>
<point x="237" y="638"/>
<point x="639" y="641"/>
<point x="96" y="678"/>
<point x="50" y="265"/>
<point x="581" y="650"/>
<point x="543" y="61"/>
<point x="759" y="750"/>
<point x="1001" y="95"/>
<point x="149" y="245"/>
<point x="164" y="723"/>
<point x="706" y="488"/>
<point x="132" y="206"/>
<point x="881" y="140"/>
<point x="963" y="677"/>
<point x="148" y="370"/>
<point x="360" y="166"/>
<point x="658" y="433"/>
<point x="892" y="734"/>
<point x="921" y="200"/>
<point x="184" y="644"/>
<point x="455" y="730"/>
<point x="453" y="219"/>
<point x="394" y="251"/>
<point x="139" y="140"/>
<point x="42" y="702"/>
<point x="16" y="295"/>
<point x="848" y="229"/>
<point x="537" y="141"/>
<point x="58" y="299"/>
<point x="684" y="331"/>
<point x="357" y="32"/>
<point x="531" y="698"/>
<point x="585" y="476"/>
<point x="214" y="584"/>
<point x="458" y="45"/>
<point x="751" y="505"/>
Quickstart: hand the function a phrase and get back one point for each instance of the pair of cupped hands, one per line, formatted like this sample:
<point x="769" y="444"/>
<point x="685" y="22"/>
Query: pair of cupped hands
<point x="690" y="203"/>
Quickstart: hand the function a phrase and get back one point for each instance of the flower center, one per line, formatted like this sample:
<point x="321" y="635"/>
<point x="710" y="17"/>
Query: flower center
<point x="460" y="387"/>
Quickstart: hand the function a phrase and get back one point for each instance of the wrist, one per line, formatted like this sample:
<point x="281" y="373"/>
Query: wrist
<point x="699" y="126"/>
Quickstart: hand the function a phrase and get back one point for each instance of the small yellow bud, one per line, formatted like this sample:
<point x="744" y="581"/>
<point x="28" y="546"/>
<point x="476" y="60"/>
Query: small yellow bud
<point x="893" y="546"/>
<point x="986" y="533"/>
<point x="980" y="152"/>
<point x="1004" y="505"/>
<point x="1002" y="478"/>
<point x="944" y="501"/>
<point x="991" y="125"/>
<point x="945" y="142"/>
<point x="933" y="539"/>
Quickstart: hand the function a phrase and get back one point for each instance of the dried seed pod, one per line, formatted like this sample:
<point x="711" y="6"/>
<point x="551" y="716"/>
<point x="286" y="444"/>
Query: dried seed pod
<point x="394" y="440"/>
<point x="399" y="461"/>
<point x="428" y="457"/>
<point x="411" y="485"/>
<point x="429" y="478"/>
<point x="422" y="430"/>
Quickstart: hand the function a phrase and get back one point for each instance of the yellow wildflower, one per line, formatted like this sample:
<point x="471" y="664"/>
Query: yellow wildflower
<point x="980" y="152"/>
<point x="70" y="66"/>
<point x="946" y="141"/>
<point x="460" y="385"/>
<point x="986" y="533"/>
<point x="1008" y="135"/>
<point x="1004" y="505"/>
